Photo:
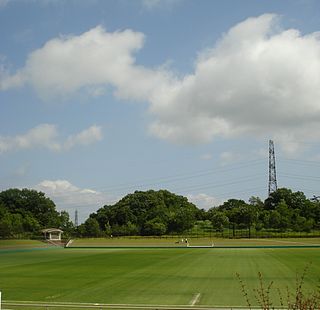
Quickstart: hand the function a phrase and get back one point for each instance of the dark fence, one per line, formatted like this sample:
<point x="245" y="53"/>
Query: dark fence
<point x="236" y="234"/>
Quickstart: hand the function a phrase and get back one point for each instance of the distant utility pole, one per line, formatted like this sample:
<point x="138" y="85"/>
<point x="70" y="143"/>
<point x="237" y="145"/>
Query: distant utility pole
<point x="76" y="218"/>
<point x="272" y="169"/>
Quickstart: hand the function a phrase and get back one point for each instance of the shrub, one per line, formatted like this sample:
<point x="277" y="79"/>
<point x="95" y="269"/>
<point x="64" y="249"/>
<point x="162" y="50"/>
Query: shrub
<point x="299" y="300"/>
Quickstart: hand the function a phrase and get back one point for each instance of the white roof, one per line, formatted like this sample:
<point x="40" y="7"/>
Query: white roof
<point x="49" y="230"/>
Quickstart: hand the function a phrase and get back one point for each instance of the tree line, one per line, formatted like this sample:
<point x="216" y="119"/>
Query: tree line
<point x="161" y="212"/>
<point x="283" y="210"/>
<point x="24" y="212"/>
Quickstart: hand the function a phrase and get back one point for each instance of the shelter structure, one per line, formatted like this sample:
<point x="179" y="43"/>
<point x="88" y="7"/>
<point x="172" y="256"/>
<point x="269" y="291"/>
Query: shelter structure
<point x="53" y="234"/>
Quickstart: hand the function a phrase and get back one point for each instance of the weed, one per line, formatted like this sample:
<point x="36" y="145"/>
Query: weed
<point x="298" y="300"/>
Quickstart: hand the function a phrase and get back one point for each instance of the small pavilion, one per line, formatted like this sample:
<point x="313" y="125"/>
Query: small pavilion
<point x="53" y="234"/>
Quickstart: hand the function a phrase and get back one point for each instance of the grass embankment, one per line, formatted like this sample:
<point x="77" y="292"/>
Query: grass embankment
<point x="21" y="244"/>
<point x="151" y="276"/>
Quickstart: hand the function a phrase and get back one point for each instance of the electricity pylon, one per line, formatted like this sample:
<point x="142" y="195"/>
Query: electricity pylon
<point x="272" y="169"/>
<point x="76" y="218"/>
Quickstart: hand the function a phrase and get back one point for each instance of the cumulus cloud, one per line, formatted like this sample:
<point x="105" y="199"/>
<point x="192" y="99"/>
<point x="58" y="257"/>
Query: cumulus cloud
<point x="43" y="135"/>
<point x="89" y="62"/>
<point x="46" y="136"/>
<point x="257" y="81"/>
<point x="204" y="201"/>
<point x="8" y="80"/>
<point x="68" y="194"/>
<point x="70" y="197"/>
<point x="85" y="137"/>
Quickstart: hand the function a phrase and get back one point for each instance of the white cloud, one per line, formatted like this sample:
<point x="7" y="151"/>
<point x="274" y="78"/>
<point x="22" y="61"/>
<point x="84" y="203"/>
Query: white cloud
<point x="46" y="136"/>
<point x="8" y="81"/>
<point x="204" y="201"/>
<point x="85" y="137"/>
<point x="69" y="194"/>
<point x="70" y="197"/>
<point x="89" y="62"/>
<point x="43" y="135"/>
<point x="257" y="81"/>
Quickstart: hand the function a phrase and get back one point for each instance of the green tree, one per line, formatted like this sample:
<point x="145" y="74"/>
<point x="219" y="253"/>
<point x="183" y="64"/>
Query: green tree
<point x="294" y="200"/>
<point x="65" y="224"/>
<point x="155" y="227"/>
<point x="32" y="203"/>
<point x="232" y="211"/>
<point x="107" y="229"/>
<point x="248" y="215"/>
<point x="181" y="220"/>
<point x="30" y="224"/>
<point x="285" y="215"/>
<point x="274" y="219"/>
<point x="218" y="219"/>
<point x="257" y="202"/>
<point x="132" y="212"/>
<point x="5" y="223"/>
<point x="233" y="216"/>
<point x="201" y="215"/>
<point x="17" y="224"/>
<point x="92" y="228"/>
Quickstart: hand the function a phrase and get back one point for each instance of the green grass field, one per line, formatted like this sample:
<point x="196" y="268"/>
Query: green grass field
<point x="151" y="276"/>
<point x="176" y="242"/>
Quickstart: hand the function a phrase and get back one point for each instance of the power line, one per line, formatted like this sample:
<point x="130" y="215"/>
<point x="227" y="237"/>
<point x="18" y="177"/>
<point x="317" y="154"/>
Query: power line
<point x="300" y="177"/>
<point x="189" y="189"/>
<point x="159" y="182"/>
<point x="243" y="191"/>
<point x="219" y="196"/>
<point x="300" y="161"/>
<point x="192" y="187"/>
<point x="179" y="177"/>
<point x="215" y="185"/>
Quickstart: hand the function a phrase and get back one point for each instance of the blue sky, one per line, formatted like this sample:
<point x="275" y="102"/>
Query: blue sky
<point x="101" y="98"/>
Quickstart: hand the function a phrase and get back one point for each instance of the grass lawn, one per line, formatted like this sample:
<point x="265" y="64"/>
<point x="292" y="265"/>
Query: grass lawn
<point x="173" y="242"/>
<point x="151" y="276"/>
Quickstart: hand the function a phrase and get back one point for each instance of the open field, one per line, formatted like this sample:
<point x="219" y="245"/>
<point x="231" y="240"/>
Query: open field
<point x="151" y="276"/>
<point x="176" y="242"/>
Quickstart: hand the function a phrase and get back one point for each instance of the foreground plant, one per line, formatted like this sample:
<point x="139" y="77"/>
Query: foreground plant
<point x="294" y="301"/>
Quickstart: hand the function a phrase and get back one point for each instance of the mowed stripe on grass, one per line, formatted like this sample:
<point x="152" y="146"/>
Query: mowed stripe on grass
<point x="151" y="276"/>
